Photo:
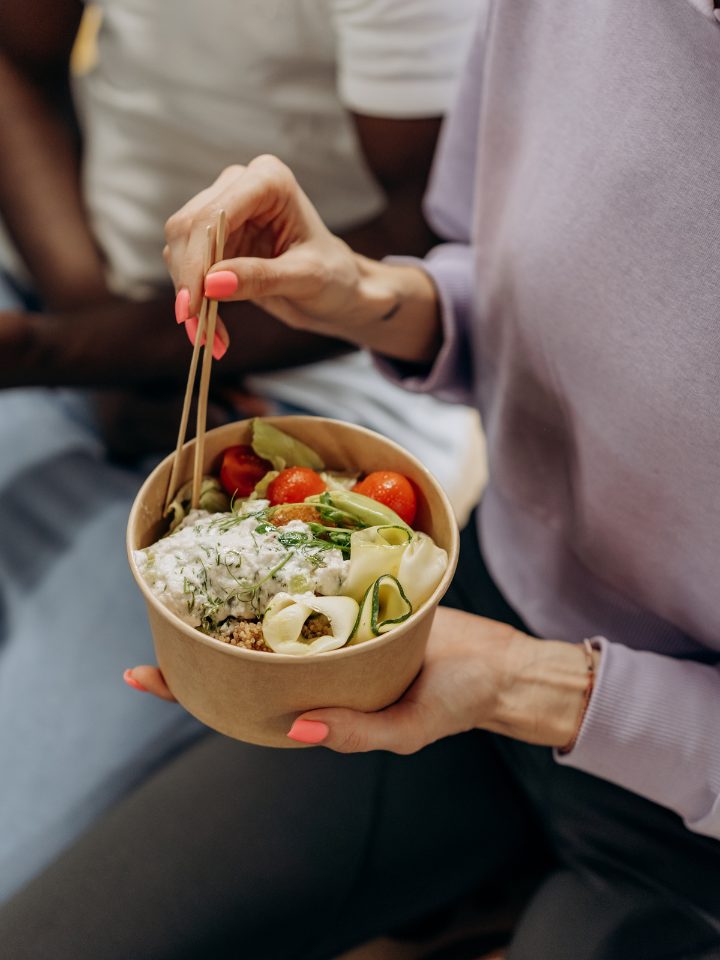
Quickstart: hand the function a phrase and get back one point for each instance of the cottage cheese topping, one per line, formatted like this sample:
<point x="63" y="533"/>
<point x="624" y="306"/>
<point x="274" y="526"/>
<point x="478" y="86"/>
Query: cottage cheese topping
<point x="219" y="565"/>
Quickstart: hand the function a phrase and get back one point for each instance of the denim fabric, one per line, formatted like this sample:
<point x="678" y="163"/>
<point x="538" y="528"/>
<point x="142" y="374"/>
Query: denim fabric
<point x="73" y="737"/>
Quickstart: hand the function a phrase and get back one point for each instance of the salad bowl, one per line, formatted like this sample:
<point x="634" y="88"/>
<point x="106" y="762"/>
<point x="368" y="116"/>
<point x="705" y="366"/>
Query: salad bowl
<point x="255" y="696"/>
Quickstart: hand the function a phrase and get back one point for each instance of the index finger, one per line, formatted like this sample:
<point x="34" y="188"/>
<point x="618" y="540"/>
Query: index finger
<point x="261" y="192"/>
<point x="185" y="233"/>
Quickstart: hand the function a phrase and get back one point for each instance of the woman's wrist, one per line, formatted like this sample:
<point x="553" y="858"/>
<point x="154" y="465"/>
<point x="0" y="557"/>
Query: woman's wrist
<point x="543" y="695"/>
<point x="397" y="311"/>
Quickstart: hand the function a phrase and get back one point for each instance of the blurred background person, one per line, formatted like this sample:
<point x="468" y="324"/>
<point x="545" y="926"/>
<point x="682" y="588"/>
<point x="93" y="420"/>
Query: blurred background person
<point x="350" y="94"/>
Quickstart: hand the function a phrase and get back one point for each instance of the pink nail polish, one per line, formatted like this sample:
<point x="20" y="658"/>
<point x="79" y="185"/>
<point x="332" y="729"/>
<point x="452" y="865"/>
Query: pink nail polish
<point x="132" y="682"/>
<point x="219" y="347"/>
<point x="221" y="284"/>
<point x="182" y="305"/>
<point x="308" y="731"/>
<point x="191" y="328"/>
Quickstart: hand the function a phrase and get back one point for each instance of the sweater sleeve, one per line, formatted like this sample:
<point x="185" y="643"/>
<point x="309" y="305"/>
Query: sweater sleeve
<point x="652" y="727"/>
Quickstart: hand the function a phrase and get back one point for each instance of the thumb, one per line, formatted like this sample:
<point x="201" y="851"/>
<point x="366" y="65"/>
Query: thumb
<point x="399" y="728"/>
<point x="290" y="275"/>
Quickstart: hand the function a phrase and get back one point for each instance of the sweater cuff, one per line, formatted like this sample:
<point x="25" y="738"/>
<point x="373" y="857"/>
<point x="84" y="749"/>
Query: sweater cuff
<point x="650" y="728"/>
<point x="450" y="375"/>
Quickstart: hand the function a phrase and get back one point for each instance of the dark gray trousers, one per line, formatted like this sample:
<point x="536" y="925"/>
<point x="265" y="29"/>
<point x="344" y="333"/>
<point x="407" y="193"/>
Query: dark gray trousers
<point x="235" y="852"/>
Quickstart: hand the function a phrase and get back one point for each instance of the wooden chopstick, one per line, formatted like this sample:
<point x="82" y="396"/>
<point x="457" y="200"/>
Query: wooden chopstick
<point x="206" y="369"/>
<point x="185" y="415"/>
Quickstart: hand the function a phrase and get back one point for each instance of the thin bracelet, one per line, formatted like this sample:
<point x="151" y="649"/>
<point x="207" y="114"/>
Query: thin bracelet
<point x="590" y="660"/>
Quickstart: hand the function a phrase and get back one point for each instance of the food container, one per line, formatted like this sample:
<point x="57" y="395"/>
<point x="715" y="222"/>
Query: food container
<point x="255" y="696"/>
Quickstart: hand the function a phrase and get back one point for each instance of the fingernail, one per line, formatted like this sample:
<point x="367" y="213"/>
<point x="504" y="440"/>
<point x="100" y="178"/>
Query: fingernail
<point x="191" y="328"/>
<point x="219" y="345"/>
<point x="219" y="348"/>
<point x="132" y="682"/>
<point x="182" y="305"/>
<point x="220" y="284"/>
<point x="308" y="731"/>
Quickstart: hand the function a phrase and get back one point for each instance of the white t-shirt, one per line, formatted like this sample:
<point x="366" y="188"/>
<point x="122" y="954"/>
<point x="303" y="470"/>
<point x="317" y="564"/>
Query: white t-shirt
<point x="182" y="89"/>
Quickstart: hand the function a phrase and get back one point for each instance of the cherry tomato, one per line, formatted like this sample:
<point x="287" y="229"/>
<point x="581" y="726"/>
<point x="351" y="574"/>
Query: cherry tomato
<point x="241" y="469"/>
<point x="293" y="484"/>
<point x="392" y="489"/>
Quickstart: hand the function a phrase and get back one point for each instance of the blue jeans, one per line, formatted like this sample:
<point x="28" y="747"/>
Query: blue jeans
<point x="73" y="737"/>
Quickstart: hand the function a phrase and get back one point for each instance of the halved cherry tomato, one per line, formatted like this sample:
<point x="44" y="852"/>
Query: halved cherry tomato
<point x="293" y="484"/>
<point x="241" y="469"/>
<point x="392" y="489"/>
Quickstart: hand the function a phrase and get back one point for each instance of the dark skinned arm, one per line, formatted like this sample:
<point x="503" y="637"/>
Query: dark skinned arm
<point x="99" y="346"/>
<point x="399" y="153"/>
<point x="39" y="166"/>
<point x="42" y="207"/>
<point x="119" y="344"/>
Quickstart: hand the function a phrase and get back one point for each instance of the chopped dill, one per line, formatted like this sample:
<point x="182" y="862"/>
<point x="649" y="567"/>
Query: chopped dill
<point x="231" y="574"/>
<point x="189" y="592"/>
<point x="228" y="521"/>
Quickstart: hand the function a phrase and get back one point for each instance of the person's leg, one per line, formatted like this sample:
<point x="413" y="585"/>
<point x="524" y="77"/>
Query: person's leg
<point x="576" y="917"/>
<point x="635" y="884"/>
<point x="73" y="737"/>
<point x="237" y="851"/>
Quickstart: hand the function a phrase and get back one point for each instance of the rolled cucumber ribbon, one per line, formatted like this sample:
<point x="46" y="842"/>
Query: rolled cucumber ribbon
<point x="383" y="607"/>
<point x="421" y="568"/>
<point x="286" y="616"/>
<point x="374" y="552"/>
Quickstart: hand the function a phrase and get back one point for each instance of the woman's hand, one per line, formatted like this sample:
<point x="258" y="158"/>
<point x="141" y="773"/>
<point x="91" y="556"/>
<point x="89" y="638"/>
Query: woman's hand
<point x="477" y="674"/>
<point x="278" y="251"/>
<point x="280" y="254"/>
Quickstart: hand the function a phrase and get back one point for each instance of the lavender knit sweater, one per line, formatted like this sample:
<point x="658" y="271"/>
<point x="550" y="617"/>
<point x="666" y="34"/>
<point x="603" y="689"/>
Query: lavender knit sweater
<point x="578" y="186"/>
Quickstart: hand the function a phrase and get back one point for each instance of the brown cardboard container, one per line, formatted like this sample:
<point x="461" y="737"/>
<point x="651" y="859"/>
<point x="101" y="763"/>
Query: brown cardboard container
<point x="255" y="696"/>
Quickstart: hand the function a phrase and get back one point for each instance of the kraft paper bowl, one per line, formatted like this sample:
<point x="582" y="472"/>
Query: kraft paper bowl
<point x="255" y="696"/>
